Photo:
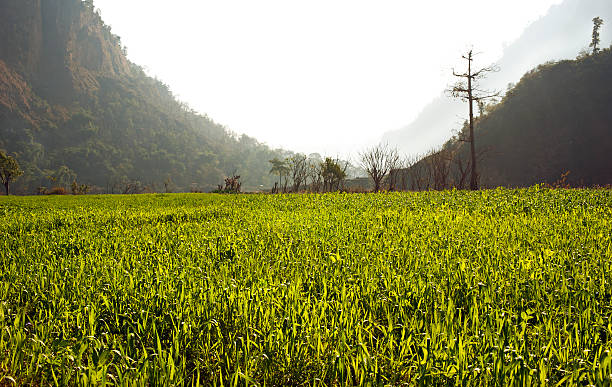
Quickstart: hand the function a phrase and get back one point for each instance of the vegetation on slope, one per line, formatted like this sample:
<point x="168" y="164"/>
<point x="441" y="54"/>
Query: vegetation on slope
<point x="71" y="101"/>
<point x="556" y="120"/>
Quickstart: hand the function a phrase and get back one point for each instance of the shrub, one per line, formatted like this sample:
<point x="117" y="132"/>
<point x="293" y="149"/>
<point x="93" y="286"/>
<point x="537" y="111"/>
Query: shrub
<point x="57" y="191"/>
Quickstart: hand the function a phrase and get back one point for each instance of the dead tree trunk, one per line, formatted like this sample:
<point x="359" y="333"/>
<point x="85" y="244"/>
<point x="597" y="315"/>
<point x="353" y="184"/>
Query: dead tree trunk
<point x="473" y="174"/>
<point x="470" y="93"/>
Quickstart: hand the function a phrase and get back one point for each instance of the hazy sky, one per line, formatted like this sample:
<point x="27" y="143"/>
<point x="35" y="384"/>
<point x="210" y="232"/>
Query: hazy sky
<point x="325" y="76"/>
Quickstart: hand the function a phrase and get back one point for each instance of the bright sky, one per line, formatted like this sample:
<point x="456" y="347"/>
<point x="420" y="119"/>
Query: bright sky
<point x="327" y="76"/>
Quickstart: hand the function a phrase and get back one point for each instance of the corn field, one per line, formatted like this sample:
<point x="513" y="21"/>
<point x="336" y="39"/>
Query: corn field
<point x="500" y="287"/>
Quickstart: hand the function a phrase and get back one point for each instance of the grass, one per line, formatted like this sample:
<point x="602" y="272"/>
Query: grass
<point x="472" y="288"/>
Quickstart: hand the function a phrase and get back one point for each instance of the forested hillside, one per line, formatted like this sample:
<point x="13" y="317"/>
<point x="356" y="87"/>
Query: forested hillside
<point x="72" y="107"/>
<point x="561" y="34"/>
<point x="556" y="121"/>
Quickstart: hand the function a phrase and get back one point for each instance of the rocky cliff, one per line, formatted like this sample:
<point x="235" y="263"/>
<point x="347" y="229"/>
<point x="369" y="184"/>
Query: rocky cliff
<point x="60" y="46"/>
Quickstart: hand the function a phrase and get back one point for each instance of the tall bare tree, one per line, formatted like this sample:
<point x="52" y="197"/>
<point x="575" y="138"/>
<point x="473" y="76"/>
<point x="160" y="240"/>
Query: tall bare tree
<point x="467" y="89"/>
<point x="378" y="161"/>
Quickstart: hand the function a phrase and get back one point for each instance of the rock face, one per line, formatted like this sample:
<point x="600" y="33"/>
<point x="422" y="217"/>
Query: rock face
<point x="60" y="47"/>
<point x="15" y="93"/>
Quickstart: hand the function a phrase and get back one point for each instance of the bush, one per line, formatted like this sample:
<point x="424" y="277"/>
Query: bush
<point x="57" y="191"/>
<point x="232" y="185"/>
<point x="79" y="189"/>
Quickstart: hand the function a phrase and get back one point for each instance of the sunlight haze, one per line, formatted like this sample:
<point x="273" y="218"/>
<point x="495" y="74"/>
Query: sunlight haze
<point x="313" y="76"/>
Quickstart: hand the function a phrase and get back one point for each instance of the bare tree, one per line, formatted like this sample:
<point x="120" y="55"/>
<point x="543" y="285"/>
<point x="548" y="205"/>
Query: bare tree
<point x="467" y="89"/>
<point x="439" y="163"/>
<point x="461" y="171"/>
<point x="399" y="177"/>
<point x="378" y="161"/>
<point x="430" y="171"/>
<point x="414" y="172"/>
<point x="314" y="173"/>
<point x="434" y="170"/>
<point x="394" y="179"/>
<point x="404" y="173"/>
<point x="460" y="168"/>
<point x="298" y="166"/>
<point x="129" y="187"/>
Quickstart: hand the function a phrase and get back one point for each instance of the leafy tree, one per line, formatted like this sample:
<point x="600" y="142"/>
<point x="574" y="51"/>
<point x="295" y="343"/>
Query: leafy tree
<point x="63" y="176"/>
<point x="79" y="189"/>
<point x="597" y="22"/>
<point x="332" y="173"/>
<point x="280" y="168"/>
<point x="9" y="170"/>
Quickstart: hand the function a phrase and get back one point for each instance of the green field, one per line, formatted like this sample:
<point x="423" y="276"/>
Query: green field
<point x="491" y="287"/>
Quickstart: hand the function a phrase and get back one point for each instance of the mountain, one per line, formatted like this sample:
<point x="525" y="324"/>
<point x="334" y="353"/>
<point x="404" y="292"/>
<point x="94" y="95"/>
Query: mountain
<point x="73" y="107"/>
<point x="561" y="34"/>
<point x="555" y="125"/>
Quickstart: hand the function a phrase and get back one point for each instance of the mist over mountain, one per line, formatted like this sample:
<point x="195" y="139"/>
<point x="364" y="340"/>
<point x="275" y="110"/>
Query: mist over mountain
<point x="74" y="108"/>
<point x="561" y="34"/>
